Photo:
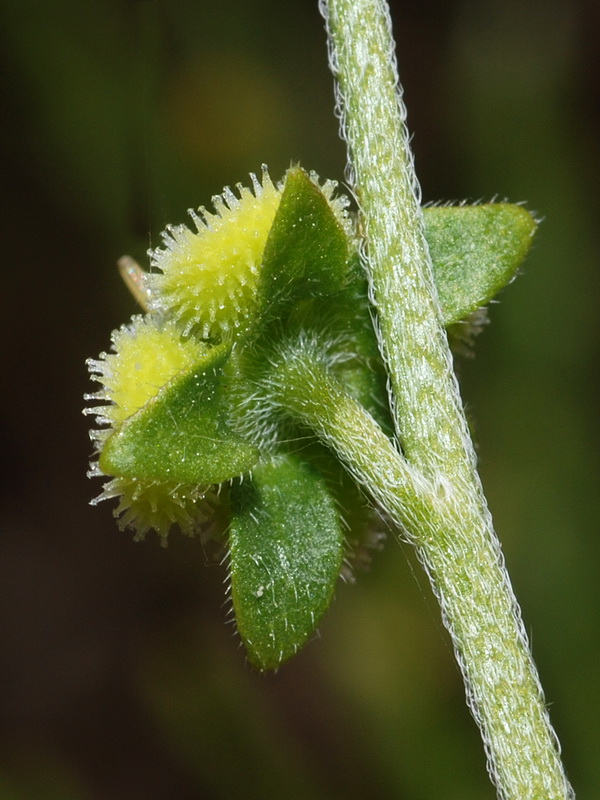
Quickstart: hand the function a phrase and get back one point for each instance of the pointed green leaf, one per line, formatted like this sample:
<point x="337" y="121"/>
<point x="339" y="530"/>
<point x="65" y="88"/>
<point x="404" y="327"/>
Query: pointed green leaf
<point x="307" y="251"/>
<point x="286" y="553"/>
<point x="181" y="434"/>
<point x="476" y="251"/>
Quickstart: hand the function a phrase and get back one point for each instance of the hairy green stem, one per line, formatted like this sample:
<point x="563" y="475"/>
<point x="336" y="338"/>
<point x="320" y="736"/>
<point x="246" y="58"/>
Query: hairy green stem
<point x="308" y="392"/>
<point x="454" y="534"/>
<point x="432" y="432"/>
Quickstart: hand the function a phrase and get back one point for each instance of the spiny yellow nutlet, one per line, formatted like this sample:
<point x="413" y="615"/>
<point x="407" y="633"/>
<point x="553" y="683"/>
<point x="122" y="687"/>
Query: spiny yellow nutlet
<point x="148" y="353"/>
<point x="145" y="505"/>
<point x="208" y="278"/>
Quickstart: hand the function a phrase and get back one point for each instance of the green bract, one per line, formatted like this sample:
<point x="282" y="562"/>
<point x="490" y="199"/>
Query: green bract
<point x="307" y="252"/>
<point x="215" y="420"/>
<point x="476" y="251"/>
<point x="285" y="542"/>
<point x="182" y="434"/>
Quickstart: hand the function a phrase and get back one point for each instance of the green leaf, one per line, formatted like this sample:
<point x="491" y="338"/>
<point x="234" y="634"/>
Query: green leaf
<point x="181" y="434"/>
<point x="286" y="553"/>
<point x="307" y="250"/>
<point x="476" y="251"/>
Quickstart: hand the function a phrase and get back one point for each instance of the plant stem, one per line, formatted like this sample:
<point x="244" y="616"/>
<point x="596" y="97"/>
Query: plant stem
<point x="402" y="286"/>
<point x="303" y="387"/>
<point x="444" y="512"/>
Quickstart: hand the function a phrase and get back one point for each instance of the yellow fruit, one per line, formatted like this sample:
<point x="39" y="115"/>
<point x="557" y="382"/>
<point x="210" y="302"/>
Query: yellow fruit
<point x="148" y="353"/>
<point x="208" y="277"/>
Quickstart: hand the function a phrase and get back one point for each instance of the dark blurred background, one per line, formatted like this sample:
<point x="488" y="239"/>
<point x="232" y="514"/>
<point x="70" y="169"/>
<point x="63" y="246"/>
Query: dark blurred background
<point x="119" y="679"/>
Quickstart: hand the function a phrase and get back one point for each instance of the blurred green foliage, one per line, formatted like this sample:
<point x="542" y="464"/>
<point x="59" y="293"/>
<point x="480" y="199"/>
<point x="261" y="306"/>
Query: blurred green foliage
<point x="118" y="676"/>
